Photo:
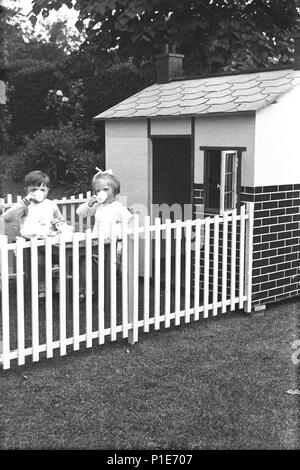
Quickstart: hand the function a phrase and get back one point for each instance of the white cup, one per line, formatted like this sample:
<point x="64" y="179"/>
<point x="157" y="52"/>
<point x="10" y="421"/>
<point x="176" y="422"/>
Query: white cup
<point x="39" y="195"/>
<point x="101" y="197"/>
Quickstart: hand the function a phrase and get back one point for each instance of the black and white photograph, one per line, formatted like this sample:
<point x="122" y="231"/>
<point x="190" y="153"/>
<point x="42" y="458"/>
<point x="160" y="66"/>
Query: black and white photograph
<point x="149" y="228"/>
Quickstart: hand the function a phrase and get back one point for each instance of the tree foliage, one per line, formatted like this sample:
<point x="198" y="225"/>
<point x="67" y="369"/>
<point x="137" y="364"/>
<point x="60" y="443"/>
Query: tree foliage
<point x="214" y="35"/>
<point x="34" y="64"/>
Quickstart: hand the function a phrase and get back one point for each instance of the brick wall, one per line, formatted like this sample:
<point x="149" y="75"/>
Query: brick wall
<point x="198" y="200"/>
<point x="276" y="247"/>
<point x="276" y="240"/>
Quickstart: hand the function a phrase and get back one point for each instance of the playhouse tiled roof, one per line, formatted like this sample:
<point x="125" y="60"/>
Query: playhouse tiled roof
<point x="202" y="96"/>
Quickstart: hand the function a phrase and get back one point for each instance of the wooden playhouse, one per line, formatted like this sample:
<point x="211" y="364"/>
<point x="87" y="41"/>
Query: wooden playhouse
<point x="214" y="143"/>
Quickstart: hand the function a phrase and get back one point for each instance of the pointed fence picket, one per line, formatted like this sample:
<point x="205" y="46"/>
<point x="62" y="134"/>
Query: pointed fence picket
<point x="188" y="270"/>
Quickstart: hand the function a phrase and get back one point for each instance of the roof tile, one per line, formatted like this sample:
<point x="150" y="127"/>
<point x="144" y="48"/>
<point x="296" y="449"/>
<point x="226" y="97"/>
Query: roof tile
<point x="146" y="112"/>
<point x="247" y="77"/>
<point x="222" y="108"/>
<point x="250" y="98"/>
<point x="167" y="98"/>
<point x="214" y="87"/>
<point x="249" y="106"/>
<point x="220" y="101"/>
<point x="197" y="109"/>
<point x="219" y="94"/>
<point x="244" y="93"/>
<point x="279" y="90"/>
<point x="245" y="85"/>
<point x="169" y="104"/>
<point x="196" y="102"/>
<point x="272" y="74"/>
<point x="172" y="111"/>
<point x="280" y="81"/>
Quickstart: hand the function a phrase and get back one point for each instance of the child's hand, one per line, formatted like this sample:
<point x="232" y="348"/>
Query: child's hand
<point x="28" y="198"/>
<point x="57" y="224"/>
<point x="92" y="201"/>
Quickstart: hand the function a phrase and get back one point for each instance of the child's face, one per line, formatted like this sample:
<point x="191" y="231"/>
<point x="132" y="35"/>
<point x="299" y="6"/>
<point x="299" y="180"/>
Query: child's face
<point x="104" y="185"/>
<point x="41" y="187"/>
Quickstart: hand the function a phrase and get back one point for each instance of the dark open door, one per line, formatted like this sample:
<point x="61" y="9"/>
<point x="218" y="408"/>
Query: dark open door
<point x="172" y="171"/>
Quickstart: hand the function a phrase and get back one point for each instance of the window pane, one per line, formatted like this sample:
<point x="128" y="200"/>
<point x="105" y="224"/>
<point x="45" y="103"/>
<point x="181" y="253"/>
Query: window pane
<point x="229" y="163"/>
<point x="228" y="182"/>
<point x="214" y="178"/>
<point x="228" y="201"/>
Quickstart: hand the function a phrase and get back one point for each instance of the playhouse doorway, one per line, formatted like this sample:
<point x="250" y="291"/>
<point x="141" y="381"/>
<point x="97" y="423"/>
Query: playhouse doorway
<point x="171" y="190"/>
<point x="171" y="177"/>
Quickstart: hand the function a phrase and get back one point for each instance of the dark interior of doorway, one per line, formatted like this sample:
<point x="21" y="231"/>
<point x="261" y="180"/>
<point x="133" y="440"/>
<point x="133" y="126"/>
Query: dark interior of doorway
<point x="172" y="186"/>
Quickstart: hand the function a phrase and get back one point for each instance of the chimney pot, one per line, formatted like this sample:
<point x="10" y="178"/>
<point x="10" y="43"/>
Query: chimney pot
<point x="166" y="48"/>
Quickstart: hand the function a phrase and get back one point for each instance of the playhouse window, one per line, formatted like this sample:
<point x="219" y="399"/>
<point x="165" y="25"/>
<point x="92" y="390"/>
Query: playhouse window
<point x="221" y="180"/>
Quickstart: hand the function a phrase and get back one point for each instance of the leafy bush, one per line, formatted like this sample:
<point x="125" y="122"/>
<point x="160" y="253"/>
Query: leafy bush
<point x="66" y="154"/>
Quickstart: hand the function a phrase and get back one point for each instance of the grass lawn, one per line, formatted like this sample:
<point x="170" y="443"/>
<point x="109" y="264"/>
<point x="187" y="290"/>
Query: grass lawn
<point x="216" y="384"/>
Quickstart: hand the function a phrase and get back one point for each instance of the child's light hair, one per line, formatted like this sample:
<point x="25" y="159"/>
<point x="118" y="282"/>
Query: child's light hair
<point x="36" y="178"/>
<point x="112" y="180"/>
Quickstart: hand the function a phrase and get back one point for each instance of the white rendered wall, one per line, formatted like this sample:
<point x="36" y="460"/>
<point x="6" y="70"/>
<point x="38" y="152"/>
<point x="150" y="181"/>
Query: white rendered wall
<point x="277" y="140"/>
<point x="127" y="153"/>
<point x="225" y="131"/>
<point x="171" y="126"/>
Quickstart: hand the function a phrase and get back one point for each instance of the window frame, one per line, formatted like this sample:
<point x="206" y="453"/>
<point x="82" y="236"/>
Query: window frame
<point x="224" y="151"/>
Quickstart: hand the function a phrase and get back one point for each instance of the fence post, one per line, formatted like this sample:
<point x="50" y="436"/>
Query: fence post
<point x="2" y="225"/>
<point x="4" y="335"/>
<point x="249" y="256"/>
<point x="130" y="285"/>
<point x="133" y="272"/>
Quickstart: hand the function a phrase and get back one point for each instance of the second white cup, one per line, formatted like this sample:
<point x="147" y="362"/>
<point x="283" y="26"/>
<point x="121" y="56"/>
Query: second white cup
<point x="101" y="196"/>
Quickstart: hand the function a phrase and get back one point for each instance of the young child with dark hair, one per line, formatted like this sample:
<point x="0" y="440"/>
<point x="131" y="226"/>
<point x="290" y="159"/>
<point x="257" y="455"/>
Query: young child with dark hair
<point x="37" y="216"/>
<point x="107" y="211"/>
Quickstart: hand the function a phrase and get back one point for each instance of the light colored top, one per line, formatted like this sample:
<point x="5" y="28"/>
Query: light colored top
<point x="35" y="220"/>
<point x="105" y="216"/>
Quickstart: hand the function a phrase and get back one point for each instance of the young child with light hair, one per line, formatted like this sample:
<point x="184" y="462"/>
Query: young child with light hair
<point x="107" y="211"/>
<point x="36" y="216"/>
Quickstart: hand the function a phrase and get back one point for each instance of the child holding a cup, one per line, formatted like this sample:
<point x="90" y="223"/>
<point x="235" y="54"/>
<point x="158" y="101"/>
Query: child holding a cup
<point x="37" y="216"/>
<point x="107" y="211"/>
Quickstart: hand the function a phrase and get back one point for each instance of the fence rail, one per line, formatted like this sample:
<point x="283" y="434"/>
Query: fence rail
<point x="169" y="273"/>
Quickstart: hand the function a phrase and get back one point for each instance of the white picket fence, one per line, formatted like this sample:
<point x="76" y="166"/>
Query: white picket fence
<point x="171" y="273"/>
<point x="67" y="206"/>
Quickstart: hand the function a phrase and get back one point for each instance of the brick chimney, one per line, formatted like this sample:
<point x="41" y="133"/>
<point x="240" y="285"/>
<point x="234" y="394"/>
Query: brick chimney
<point x="168" y="65"/>
<point x="297" y="50"/>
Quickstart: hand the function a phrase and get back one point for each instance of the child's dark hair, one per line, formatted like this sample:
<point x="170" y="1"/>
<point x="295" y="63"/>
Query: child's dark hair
<point x="36" y="178"/>
<point x="111" y="179"/>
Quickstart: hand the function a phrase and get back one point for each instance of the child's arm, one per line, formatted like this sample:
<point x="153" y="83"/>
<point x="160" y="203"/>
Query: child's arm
<point x="57" y="214"/>
<point x="124" y="216"/>
<point x="87" y="208"/>
<point x="16" y="212"/>
<point x="58" y="218"/>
